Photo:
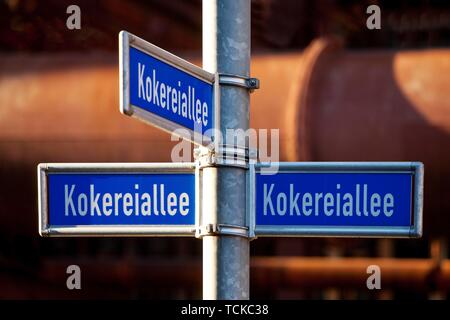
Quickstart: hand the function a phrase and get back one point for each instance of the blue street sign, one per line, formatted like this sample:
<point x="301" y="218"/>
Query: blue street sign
<point x="340" y="199"/>
<point x="166" y="91"/>
<point x="94" y="199"/>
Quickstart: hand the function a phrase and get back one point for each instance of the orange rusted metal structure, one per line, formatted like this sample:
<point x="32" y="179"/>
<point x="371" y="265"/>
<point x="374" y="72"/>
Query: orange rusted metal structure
<point x="267" y="274"/>
<point x="329" y="103"/>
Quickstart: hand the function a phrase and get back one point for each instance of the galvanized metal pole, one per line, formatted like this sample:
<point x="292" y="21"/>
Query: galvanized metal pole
<point x="226" y="49"/>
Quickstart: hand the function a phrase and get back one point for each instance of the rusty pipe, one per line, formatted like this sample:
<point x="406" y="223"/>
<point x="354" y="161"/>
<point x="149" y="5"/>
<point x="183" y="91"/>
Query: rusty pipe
<point x="330" y="104"/>
<point x="268" y="272"/>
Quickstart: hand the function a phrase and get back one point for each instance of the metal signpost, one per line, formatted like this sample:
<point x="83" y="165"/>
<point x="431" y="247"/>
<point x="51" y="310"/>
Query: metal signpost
<point x="224" y="198"/>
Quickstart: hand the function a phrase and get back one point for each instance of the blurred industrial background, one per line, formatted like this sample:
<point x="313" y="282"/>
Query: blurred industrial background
<point x="337" y="91"/>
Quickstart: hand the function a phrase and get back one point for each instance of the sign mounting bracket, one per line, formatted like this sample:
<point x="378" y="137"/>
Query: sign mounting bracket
<point x="239" y="81"/>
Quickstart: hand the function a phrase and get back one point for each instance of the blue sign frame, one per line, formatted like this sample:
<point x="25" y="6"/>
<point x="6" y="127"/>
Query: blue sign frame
<point x="166" y="91"/>
<point x="337" y="199"/>
<point x="117" y="199"/>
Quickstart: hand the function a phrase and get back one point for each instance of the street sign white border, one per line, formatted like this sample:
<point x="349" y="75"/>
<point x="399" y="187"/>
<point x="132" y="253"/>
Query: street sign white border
<point x="46" y="230"/>
<point x="414" y="231"/>
<point x="126" y="40"/>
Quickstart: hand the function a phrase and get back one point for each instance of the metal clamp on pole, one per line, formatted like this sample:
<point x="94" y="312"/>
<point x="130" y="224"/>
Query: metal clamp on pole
<point x="221" y="229"/>
<point x="225" y="155"/>
<point x="239" y="81"/>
